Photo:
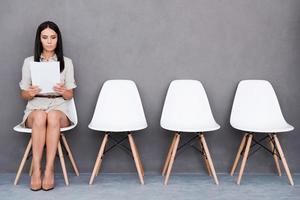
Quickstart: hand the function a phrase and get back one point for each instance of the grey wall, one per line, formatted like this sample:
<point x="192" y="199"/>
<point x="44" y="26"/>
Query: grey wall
<point x="153" y="42"/>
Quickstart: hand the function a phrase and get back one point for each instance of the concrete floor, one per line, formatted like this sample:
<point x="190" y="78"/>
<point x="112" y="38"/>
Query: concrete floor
<point x="181" y="186"/>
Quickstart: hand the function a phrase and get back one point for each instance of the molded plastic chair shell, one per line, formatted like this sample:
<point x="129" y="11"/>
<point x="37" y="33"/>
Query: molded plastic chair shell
<point x="186" y="108"/>
<point x="119" y="108"/>
<point x="256" y="108"/>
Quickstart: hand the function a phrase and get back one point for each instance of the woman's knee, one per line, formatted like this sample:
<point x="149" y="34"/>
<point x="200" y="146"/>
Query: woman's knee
<point x="39" y="118"/>
<point x="53" y="118"/>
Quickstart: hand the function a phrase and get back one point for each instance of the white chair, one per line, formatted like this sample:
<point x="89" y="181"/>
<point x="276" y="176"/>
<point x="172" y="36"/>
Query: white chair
<point x="186" y="109"/>
<point x="119" y="109"/>
<point x="256" y="110"/>
<point x="19" y="128"/>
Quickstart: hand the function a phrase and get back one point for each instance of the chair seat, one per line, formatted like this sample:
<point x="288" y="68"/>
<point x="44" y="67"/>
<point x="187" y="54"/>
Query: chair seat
<point x="265" y="129"/>
<point x="21" y="129"/>
<point x="188" y="127"/>
<point x="118" y="127"/>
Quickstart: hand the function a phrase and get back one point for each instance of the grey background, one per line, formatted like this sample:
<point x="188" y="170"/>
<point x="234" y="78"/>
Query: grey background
<point x="154" y="42"/>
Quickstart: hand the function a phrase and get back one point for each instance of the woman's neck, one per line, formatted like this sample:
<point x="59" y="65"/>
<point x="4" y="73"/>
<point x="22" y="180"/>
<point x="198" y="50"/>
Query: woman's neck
<point x="48" y="54"/>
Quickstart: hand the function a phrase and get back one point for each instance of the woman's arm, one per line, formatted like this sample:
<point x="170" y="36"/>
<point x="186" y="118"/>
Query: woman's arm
<point x="66" y="89"/>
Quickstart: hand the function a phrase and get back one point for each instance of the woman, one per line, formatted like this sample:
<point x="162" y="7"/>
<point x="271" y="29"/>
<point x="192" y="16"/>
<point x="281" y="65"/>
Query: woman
<point x="46" y="114"/>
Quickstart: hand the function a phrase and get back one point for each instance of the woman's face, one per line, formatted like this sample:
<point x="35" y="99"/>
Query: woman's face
<point x="49" y="39"/>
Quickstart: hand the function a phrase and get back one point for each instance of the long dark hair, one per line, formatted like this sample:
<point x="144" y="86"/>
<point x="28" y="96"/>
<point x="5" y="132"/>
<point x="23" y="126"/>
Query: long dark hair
<point x="38" y="47"/>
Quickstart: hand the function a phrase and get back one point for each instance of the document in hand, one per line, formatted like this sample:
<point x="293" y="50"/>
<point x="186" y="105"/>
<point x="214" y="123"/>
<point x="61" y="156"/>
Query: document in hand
<point x="45" y="75"/>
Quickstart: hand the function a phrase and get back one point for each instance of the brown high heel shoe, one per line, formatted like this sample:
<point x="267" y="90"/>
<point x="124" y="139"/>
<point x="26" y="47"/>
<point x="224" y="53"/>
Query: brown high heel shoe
<point x="37" y="186"/>
<point x="46" y="186"/>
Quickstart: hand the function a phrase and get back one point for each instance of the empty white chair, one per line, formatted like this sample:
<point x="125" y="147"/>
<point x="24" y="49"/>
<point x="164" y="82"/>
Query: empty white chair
<point x="19" y="128"/>
<point x="119" y="109"/>
<point x="186" y="109"/>
<point x="256" y="110"/>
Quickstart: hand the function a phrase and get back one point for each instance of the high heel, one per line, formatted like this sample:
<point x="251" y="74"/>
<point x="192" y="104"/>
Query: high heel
<point x="48" y="187"/>
<point x="36" y="187"/>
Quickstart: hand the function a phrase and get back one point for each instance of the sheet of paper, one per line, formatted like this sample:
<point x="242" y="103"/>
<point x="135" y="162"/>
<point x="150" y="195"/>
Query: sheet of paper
<point x="45" y="75"/>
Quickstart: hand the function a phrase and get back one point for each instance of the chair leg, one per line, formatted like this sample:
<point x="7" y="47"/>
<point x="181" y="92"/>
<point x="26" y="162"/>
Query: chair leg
<point x="210" y="162"/>
<point x="275" y="156"/>
<point x="100" y="163"/>
<point x="168" y="156"/>
<point x="29" y="145"/>
<point x="172" y="158"/>
<point x="65" y="143"/>
<point x="136" y="159"/>
<point x="99" y="158"/>
<point x="285" y="165"/>
<point x="63" y="165"/>
<point x="139" y="158"/>
<point x="99" y="166"/>
<point x="205" y="158"/>
<point x="31" y="168"/>
<point x="238" y="155"/>
<point x="245" y="157"/>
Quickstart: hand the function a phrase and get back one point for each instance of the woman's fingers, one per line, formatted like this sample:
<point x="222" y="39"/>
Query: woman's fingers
<point x="34" y="90"/>
<point x="59" y="88"/>
<point x="38" y="90"/>
<point x="59" y="85"/>
<point x="33" y="87"/>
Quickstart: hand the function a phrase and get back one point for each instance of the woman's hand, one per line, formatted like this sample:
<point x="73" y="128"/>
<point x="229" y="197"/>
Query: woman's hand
<point x="33" y="90"/>
<point x="30" y="92"/>
<point x="62" y="90"/>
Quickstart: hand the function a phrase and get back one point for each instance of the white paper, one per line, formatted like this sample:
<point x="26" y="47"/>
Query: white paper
<point x="45" y="75"/>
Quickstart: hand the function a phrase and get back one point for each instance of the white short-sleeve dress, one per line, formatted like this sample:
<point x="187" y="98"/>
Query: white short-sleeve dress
<point x="47" y="104"/>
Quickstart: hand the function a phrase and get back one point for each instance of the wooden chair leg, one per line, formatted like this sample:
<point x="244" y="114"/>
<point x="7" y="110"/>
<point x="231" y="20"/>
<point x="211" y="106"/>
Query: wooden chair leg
<point x="245" y="157"/>
<point x="168" y="156"/>
<point x="100" y="163"/>
<point x="275" y="155"/>
<point x="210" y="162"/>
<point x="65" y="143"/>
<point x="285" y="165"/>
<point x="99" y="158"/>
<point x="205" y="158"/>
<point x="172" y="158"/>
<point x="136" y="159"/>
<point x="62" y="162"/>
<point x="31" y="168"/>
<point x="238" y="155"/>
<point x="139" y="158"/>
<point x="25" y="156"/>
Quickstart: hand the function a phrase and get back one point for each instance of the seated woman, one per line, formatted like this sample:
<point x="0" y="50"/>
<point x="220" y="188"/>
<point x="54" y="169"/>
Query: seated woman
<point x="46" y="114"/>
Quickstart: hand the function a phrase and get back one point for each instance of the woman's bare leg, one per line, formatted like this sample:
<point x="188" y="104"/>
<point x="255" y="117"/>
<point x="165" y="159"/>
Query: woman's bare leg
<point x="37" y="121"/>
<point x="55" y="120"/>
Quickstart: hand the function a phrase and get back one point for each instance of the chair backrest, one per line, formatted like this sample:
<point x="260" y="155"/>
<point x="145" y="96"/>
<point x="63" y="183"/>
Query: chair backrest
<point x="256" y="108"/>
<point x="119" y="108"/>
<point x="186" y="108"/>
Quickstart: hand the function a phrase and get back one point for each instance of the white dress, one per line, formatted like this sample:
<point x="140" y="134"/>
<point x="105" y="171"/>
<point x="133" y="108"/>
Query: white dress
<point x="47" y="104"/>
